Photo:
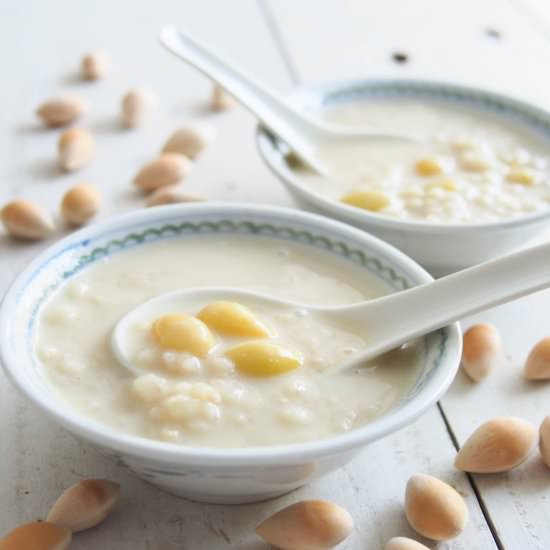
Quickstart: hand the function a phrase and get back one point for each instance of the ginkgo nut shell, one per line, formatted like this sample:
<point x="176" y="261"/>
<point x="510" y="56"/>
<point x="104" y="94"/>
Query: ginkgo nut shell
<point x="544" y="441"/>
<point x="167" y="169"/>
<point x="307" y="525"/>
<point x="404" y="543"/>
<point x="433" y="508"/>
<point x="39" y="535"/>
<point x="79" y="204"/>
<point x="482" y="347"/>
<point x="26" y="220"/>
<point x="85" y="504"/>
<point x="497" y="445"/>
<point x="537" y="366"/>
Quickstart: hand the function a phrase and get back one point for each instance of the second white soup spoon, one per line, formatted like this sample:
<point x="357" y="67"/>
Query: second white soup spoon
<point x="306" y="137"/>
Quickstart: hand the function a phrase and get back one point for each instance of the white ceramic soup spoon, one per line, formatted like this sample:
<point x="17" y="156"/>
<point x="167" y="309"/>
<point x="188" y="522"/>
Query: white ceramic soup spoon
<point x="306" y="137"/>
<point x="384" y="323"/>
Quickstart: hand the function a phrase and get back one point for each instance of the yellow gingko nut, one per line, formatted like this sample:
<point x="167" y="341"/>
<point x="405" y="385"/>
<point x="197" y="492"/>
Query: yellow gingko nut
<point x="521" y="176"/>
<point x="232" y="319"/>
<point x="262" y="359"/>
<point x="537" y="366"/>
<point x="429" y="167"/>
<point x="482" y="347"/>
<point x="433" y="508"/>
<point x="307" y="525"/>
<point x="37" y="536"/>
<point x="544" y="441"/>
<point x="404" y="543"/>
<point x="182" y="332"/>
<point x="446" y="184"/>
<point x="367" y="200"/>
<point x="498" y="445"/>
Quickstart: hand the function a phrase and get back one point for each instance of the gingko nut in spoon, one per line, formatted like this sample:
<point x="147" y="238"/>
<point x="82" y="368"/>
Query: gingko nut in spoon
<point x="75" y="149"/>
<point x="61" y="111"/>
<point x="37" y="536"/>
<point x="80" y="203"/>
<point x="482" y="347"/>
<point x="262" y="359"/>
<point x="544" y="441"/>
<point x="26" y="220"/>
<point x="190" y="140"/>
<point x="85" y="504"/>
<point x="167" y="169"/>
<point x="307" y="525"/>
<point x="498" y="445"/>
<point x="232" y="319"/>
<point x="181" y="332"/>
<point x="433" y="508"/>
<point x="404" y="543"/>
<point x="537" y="366"/>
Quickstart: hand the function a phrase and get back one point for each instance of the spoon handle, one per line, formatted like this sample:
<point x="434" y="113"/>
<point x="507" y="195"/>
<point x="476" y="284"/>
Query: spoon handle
<point x="292" y="127"/>
<point x="399" y="317"/>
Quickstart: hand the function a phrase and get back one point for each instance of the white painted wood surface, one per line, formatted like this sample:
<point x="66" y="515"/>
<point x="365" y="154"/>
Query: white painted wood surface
<point x="446" y="40"/>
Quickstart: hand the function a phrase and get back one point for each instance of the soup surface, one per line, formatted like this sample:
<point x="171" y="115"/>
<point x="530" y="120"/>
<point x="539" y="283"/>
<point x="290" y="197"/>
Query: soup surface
<point x="209" y="396"/>
<point x="464" y="166"/>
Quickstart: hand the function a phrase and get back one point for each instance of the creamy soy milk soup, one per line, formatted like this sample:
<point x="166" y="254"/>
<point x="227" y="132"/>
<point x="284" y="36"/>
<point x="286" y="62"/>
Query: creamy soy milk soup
<point x="467" y="166"/>
<point x="222" y="374"/>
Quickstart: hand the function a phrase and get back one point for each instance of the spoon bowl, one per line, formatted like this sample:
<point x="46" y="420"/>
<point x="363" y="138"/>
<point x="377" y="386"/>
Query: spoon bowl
<point x="384" y="323"/>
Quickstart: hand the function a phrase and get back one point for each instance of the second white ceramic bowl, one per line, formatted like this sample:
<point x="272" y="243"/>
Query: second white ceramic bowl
<point x="216" y="474"/>
<point x="440" y="248"/>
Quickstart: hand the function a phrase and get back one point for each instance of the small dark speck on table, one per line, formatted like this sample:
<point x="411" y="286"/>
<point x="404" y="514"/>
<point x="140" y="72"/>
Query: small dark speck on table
<point x="493" y="33"/>
<point x="400" y="57"/>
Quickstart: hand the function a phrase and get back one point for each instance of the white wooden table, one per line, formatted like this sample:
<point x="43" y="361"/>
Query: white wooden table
<point x="498" y="44"/>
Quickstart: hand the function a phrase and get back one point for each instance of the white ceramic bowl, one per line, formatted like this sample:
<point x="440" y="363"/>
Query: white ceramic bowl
<point x="441" y="248"/>
<point x="210" y="474"/>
